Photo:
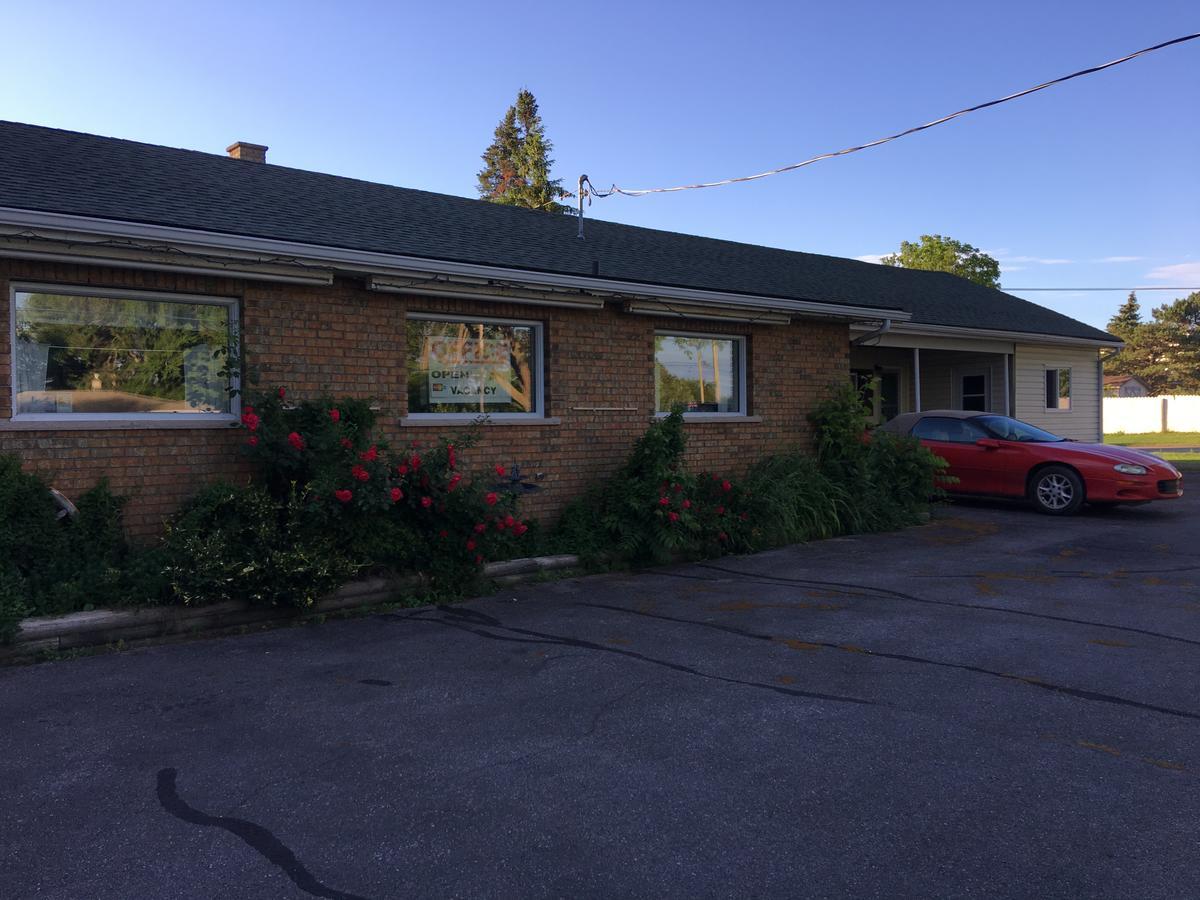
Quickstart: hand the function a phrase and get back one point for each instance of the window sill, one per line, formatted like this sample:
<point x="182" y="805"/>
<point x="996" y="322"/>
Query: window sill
<point x="114" y="424"/>
<point x="714" y="418"/>
<point x="452" y="421"/>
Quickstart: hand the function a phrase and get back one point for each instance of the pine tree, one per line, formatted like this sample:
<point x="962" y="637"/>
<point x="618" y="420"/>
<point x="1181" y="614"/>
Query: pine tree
<point x="1127" y="319"/>
<point x="516" y="166"/>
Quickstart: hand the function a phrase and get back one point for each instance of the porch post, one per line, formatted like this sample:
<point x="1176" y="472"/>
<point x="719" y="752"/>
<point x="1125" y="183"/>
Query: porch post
<point x="917" y="378"/>
<point x="1007" y="388"/>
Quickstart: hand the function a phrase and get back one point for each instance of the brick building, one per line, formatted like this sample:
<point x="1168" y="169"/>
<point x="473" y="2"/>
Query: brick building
<point x="130" y="267"/>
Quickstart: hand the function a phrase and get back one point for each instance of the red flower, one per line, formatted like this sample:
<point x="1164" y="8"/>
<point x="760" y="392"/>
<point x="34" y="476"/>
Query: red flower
<point x="370" y="455"/>
<point x="248" y="408"/>
<point x="415" y="462"/>
<point x="250" y="420"/>
<point x="726" y="486"/>
<point x="335" y="415"/>
<point x="343" y="496"/>
<point x="296" y="441"/>
<point x="427" y="502"/>
<point x="478" y="559"/>
<point x="687" y="504"/>
<point x="491" y="499"/>
<point x="720" y="510"/>
<point x="499" y="524"/>
<point x="443" y="534"/>
<point x="397" y="495"/>
<point x="663" y="501"/>
<point x="346" y="442"/>
<point x="282" y="393"/>
<point x="470" y="544"/>
<point x="451" y="459"/>
<point x="500" y="471"/>
<point x="673" y="516"/>
<point x="509" y="521"/>
<point x="677" y="488"/>
<point x="520" y="529"/>
<point x="253" y="442"/>
<point x="402" y="469"/>
<point x="722" y="536"/>
<point x="360" y="473"/>
<point x="480" y="528"/>
<point x="744" y="516"/>
<point x="453" y="482"/>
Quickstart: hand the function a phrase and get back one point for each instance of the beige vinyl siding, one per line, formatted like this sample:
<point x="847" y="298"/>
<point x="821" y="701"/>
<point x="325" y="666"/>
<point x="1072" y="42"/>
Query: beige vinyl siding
<point x="1082" y="420"/>
<point x="941" y="379"/>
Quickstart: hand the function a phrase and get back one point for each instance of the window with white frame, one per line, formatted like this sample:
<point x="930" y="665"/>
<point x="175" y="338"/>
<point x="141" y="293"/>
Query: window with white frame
<point x="703" y="373"/>
<point x="1058" y="389"/>
<point x="98" y="354"/>
<point x="473" y="367"/>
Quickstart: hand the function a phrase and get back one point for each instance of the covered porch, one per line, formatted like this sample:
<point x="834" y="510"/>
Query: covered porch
<point x="902" y="373"/>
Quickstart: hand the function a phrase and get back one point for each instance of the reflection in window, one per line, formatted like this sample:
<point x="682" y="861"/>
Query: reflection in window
<point x="702" y="373"/>
<point x="471" y="367"/>
<point x="1058" y="389"/>
<point x="119" y="355"/>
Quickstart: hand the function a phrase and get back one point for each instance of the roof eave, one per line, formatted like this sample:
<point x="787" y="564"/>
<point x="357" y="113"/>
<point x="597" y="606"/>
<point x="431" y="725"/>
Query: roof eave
<point x="201" y="249"/>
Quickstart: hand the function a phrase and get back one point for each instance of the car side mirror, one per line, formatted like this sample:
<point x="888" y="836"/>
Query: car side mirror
<point x="988" y="443"/>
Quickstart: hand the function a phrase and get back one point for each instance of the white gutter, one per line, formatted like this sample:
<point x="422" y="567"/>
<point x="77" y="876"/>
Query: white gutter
<point x="1027" y="337"/>
<point x="385" y="263"/>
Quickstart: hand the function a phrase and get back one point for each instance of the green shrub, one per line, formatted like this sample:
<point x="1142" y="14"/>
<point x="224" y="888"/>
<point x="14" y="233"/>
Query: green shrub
<point x="31" y="536"/>
<point x="408" y="509"/>
<point x="795" y="501"/>
<point x="238" y="543"/>
<point x="652" y="510"/>
<point x="60" y="564"/>
<point x="887" y="480"/>
<point x="12" y="603"/>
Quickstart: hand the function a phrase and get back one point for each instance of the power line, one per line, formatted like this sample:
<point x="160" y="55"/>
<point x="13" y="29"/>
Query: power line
<point x="1155" y="288"/>
<point x="592" y="191"/>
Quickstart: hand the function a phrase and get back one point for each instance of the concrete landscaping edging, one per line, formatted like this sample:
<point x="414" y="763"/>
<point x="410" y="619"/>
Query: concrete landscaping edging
<point x="52" y="634"/>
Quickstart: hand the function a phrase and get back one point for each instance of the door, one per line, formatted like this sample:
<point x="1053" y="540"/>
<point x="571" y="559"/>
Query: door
<point x="973" y="391"/>
<point x="979" y="470"/>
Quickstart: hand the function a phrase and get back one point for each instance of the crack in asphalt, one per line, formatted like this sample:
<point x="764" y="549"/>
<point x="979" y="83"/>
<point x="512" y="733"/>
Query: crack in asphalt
<point x="474" y="622"/>
<point x="873" y="593"/>
<point x="256" y="836"/>
<point x="904" y="657"/>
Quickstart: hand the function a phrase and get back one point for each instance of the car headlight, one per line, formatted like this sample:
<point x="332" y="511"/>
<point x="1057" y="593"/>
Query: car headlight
<point x="1130" y="469"/>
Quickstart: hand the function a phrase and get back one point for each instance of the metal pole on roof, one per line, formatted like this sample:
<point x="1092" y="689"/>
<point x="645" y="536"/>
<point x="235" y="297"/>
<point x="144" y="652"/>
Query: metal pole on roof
<point x="579" y="197"/>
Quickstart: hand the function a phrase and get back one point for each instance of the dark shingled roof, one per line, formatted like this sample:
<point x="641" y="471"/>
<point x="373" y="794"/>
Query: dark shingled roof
<point x="58" y="171"/>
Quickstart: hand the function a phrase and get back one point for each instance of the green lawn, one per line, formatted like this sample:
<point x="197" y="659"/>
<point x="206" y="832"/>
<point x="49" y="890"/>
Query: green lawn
<point x="1163" y="439"/>
<point x="1186" y="462"/>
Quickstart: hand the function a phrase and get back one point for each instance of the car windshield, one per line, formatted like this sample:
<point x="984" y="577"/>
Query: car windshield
<point x="1012" y="430"/>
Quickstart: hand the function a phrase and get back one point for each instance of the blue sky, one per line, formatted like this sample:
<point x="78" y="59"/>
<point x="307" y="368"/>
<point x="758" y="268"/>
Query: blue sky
<point x="1093" y="183"/>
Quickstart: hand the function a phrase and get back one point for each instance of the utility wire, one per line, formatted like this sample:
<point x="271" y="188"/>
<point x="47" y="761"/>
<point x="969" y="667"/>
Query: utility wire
<point x="1155" y="288"/>
<point x="892" y="137"/>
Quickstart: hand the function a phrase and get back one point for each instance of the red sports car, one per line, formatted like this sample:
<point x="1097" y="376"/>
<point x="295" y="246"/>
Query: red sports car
<point x="1003" y="457"/>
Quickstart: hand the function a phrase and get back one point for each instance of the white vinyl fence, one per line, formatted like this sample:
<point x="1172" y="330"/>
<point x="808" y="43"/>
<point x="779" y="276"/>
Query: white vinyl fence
<point x="1144" y="415"/>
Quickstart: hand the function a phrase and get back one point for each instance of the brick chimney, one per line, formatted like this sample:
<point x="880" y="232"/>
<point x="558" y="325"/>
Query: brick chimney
<point x="249" y="152"/>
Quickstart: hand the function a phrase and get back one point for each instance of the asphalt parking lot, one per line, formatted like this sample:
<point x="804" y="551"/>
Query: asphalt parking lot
<point x="996" y="704"/>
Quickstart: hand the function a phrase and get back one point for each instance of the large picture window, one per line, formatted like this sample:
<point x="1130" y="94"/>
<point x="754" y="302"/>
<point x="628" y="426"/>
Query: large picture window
<point x="471" y="367"/>
<point x="1058" y="389"/>
<point x="103" y="355"/>
<point x="703" y="373"/>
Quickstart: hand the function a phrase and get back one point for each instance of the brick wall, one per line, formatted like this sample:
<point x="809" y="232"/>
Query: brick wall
<point x="345" y="340"/>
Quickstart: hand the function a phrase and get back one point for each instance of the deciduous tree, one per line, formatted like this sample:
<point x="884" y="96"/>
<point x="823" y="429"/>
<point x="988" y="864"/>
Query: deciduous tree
<point x="942" y="254"/>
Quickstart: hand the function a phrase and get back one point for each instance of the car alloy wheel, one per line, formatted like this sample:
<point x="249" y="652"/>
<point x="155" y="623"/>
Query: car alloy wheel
<point x="1057" y="491"/>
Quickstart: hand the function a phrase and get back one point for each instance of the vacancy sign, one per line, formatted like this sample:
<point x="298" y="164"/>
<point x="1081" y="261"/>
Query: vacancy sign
<point x="467" y="370"/>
